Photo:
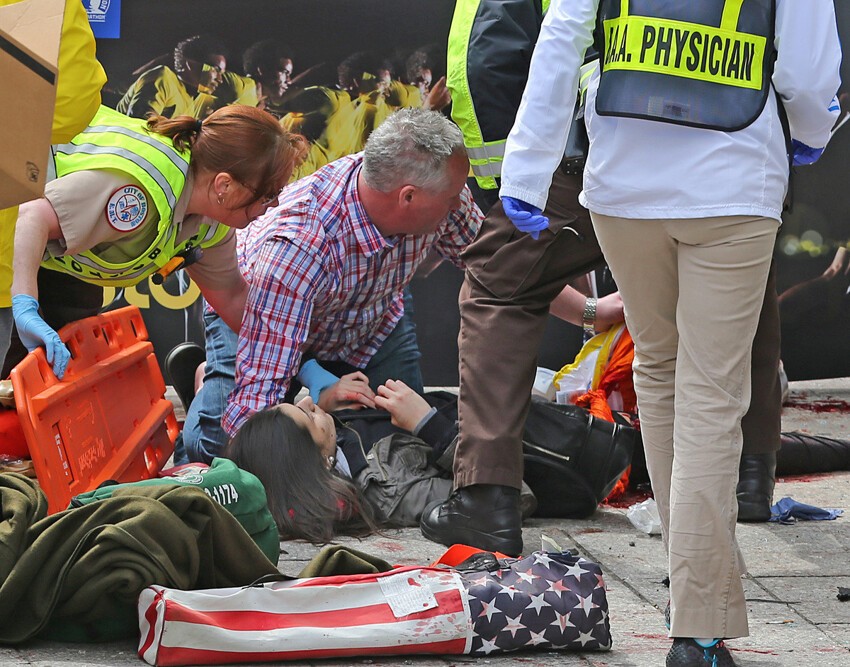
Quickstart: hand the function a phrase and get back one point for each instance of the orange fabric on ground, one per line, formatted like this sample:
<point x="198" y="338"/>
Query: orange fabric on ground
<point x="617" y="376"/>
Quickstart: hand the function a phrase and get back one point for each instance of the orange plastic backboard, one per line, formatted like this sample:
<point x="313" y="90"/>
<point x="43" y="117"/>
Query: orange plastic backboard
<point x="108" y="418"/>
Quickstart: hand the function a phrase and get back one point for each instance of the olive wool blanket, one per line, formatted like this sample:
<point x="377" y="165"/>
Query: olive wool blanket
<point x="77" y="574"/>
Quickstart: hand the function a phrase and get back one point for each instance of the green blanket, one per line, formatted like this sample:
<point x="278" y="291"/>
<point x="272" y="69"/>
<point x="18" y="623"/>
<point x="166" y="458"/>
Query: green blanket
<point x="238" y="491"/>
<point x="84" y="568"/>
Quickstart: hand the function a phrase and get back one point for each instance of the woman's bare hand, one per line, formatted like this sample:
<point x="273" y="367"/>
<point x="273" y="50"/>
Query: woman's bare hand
<point x="406" y="407"/>
<point x="609" y="311"/>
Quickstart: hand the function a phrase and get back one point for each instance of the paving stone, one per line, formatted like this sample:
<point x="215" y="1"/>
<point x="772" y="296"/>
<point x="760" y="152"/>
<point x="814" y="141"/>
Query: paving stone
<point x="794" y="571"/>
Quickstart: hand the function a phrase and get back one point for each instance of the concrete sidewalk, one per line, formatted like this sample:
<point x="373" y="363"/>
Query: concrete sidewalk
<point x="794" y="575"/>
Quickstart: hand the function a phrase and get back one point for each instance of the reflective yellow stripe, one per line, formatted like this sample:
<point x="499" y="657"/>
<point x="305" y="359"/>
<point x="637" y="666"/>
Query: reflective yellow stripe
<point x="494" y="150"/>
<point x="486" y="161"/>
<point x="486" y="169"/>
<point x="688" y="50"/>
<point x="731" y="14"/>
<point x="585" y="73"/>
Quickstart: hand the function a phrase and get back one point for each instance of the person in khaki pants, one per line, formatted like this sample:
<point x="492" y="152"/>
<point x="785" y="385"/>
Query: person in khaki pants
<point x="685" y="178"/>
<point x="513" y="280"/>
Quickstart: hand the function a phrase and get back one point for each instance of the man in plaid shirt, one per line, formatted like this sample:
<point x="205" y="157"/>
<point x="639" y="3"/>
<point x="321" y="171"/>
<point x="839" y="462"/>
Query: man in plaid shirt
<point x="328" y="268"/>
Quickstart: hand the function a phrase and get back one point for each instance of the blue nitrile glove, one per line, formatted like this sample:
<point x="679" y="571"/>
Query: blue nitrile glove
<point x="526" y="218"/>
<point x="788" y="509"/>
<point x="315" y="378"/>
<point x="35" y="332"/>
<point x="803" y="154"/>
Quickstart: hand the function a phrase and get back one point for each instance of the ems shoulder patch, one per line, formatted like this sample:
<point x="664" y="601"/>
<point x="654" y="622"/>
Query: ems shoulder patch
<point x="127" y="208"/>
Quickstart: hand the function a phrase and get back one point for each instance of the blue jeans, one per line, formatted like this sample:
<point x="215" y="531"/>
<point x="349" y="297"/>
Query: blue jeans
<point x="398" y="358"/>
<point x="203" y="436"/>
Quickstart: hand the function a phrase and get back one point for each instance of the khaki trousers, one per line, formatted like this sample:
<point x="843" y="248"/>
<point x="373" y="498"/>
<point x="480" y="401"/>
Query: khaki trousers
<point x="692" y="291"/>
<point x="504" y="302"/>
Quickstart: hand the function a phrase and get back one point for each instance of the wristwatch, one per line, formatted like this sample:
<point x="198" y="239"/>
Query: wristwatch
<point x="588" y="317"/>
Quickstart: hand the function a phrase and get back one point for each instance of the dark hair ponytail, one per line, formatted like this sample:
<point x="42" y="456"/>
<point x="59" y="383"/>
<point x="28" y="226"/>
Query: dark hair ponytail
<point x="307" y="500"/>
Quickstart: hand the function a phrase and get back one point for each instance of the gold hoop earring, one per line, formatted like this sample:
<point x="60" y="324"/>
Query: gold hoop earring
<point x="220" y="199"/>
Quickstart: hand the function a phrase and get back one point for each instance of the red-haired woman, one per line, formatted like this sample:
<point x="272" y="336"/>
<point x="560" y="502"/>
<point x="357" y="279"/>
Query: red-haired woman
<point x="130" y="195"/>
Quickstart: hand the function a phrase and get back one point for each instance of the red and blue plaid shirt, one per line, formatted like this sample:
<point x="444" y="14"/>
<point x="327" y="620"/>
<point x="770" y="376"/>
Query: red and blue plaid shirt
<point x="324" y="280"/>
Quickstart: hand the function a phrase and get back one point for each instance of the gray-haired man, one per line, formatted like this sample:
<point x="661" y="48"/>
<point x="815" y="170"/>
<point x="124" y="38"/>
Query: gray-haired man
<point x="328" y="268"/>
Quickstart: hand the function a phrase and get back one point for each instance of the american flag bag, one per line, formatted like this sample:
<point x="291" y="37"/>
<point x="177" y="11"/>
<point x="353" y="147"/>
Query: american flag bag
<point x="403" y="611"/>
<point x="546" y="600"/>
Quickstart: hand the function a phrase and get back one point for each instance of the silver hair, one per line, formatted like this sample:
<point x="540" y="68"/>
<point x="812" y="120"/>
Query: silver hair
<point x="411" y="147"/>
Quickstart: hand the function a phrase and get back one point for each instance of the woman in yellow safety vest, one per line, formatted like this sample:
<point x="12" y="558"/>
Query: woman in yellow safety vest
<point x="77" y="98"/>
<point x="131" y="198"/>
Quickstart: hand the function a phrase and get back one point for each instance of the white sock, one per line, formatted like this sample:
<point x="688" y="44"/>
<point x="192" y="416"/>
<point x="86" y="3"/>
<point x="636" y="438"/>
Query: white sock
<point x="706" y="643"/>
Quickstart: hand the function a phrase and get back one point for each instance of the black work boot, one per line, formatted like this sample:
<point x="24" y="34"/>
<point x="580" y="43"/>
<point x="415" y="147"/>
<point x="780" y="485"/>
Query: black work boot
<point x="486" y="516"/>
<point x="756" y="479"/>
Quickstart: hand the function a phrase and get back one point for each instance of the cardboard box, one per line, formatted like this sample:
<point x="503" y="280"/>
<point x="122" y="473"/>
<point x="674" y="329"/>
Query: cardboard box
<point x="29" y="50"/>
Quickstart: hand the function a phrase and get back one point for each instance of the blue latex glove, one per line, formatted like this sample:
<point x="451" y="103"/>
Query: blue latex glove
<point x="315" y="378"/>
<point x="803" y="154"/>
<point x="526" y="218"/>
<point x="35" y="332"/>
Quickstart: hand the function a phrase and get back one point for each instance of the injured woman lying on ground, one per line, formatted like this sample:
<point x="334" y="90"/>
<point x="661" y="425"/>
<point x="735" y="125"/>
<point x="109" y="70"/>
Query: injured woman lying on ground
<point x="354" y="471"/>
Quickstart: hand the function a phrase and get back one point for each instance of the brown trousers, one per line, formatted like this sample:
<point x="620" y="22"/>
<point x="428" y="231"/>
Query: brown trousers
<point x="504" y="302"/>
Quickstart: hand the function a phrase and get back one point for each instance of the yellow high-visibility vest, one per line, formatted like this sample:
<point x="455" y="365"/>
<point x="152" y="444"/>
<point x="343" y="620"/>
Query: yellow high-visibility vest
<point x="485" y="155"/>
<point x="704" y="64"/>
<point x="117" y="142"/>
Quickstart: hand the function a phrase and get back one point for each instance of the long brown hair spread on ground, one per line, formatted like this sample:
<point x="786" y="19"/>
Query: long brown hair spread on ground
<point x="307" y="500"/>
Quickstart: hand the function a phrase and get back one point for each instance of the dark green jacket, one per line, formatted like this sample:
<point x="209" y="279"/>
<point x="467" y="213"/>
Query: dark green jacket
<point x="238" y="491"/>
<point x="85" y="567"/>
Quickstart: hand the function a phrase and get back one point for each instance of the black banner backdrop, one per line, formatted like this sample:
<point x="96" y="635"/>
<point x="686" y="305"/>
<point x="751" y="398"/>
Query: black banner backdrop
<point x="813" y="253"/>
<point x="403" y="42"/>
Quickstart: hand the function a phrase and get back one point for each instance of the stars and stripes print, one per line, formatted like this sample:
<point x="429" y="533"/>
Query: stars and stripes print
<point x="545" y="601"/>
<point x="306" y="619"/>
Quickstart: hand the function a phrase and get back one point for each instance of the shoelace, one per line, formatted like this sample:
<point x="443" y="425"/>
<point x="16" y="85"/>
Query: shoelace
<point x="709" y="655"/>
